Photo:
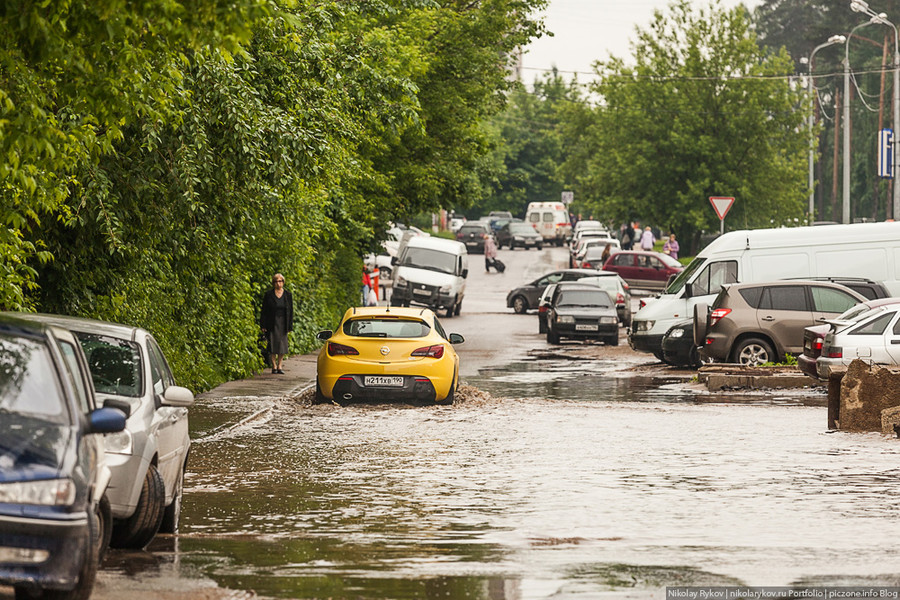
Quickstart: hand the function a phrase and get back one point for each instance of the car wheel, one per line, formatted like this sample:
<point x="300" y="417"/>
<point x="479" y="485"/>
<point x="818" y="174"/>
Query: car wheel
<point x="172" y="513"/>
<point x="512" y="246"/>
<point x="458" y="308"/>
<point x="552" y="337"/>
<point x="612" y="340"/>
<point x="105" y="519"/>
<point x="86" y="575"/>
<point x="752" y="352"/>
<point x="451" y="395"/>
<point x="384" y="273"/>
<point x="659" y="356"/>
<point x="520" y="305"/>
<point x="137" y="530"/>
<point x="542" y="324"/>
<point x="540" y="246"/>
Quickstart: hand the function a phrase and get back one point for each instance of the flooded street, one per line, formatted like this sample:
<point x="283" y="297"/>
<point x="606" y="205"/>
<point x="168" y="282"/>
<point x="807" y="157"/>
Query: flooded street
<point x="572" y="479"/>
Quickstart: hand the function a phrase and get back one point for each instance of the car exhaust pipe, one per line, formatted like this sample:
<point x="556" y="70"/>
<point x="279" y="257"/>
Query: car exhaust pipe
<point x="348" y="396"/>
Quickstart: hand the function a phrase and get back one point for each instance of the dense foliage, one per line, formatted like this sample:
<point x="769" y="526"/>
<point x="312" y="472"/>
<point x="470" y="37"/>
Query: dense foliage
<point x="164" y="160"/>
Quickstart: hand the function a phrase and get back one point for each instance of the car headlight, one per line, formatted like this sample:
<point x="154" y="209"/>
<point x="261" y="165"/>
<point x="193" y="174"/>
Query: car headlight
<point x="401" y="282"/>
<point x="608" y="320"/>
<point x="643" y="326"/>
<point x="565" y="319"/>
<point x="49" y="492"/>
<point x="445" y="289"/>
<point x="519" y="238"/>
<point x="119" y="443"/>
<point x="676" y="333"/>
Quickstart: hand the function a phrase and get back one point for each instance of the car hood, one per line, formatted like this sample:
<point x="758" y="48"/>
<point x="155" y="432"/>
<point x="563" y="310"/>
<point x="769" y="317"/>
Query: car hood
<point x="32" y="448"/>
<point x="426" y="276"/>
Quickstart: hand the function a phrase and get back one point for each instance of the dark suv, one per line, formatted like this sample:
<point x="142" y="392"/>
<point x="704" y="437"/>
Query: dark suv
<point x="582" y="311"/>
<point x="473" y="234"/>
<point x="756" y="323"/>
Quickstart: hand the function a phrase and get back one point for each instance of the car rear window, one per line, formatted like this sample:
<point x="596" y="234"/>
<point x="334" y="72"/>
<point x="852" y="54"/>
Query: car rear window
<point x="29" y="384"/>
<point x="875" y="326"/>
<point x="115" y="364"/>
<point x="386" y="328"/>
<point x="472" y="229"/>
<point x="752" y="295"/>
<point x="583" y="298"/>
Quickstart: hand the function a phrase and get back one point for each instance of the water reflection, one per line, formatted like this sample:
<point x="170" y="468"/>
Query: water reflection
<point x="576" y="484"/>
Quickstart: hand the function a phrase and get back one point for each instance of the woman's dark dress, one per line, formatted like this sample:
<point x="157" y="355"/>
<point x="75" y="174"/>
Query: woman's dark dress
<point x="277" y="319"/>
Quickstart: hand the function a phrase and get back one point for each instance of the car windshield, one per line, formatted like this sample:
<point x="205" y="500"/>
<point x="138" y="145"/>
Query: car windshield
<point x="467" y="229"/>
<point x="28" y="382"/>
<point x="427" y="258"/>
<point x="683" y="277"/>
<point x="115" y="364"/>
<point x="597" y="298"/>
<point x="386" y="328"/>
<point x="521" y="228"/>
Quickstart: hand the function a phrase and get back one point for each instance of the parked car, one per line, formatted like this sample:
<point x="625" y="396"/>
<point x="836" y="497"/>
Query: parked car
<point x="519" y="235"/>
<point x="814" y="336"/>
<point x="618" y="291"/>
<point x="643" y="270"/>
<point x="387" y="353"/>
<point x="678" y="346"/>
<point x="873" y="336"/>
<point x="455" y="223"/>
<point x="525" y="297"/>
<point x="581" y="311"/>
<point x="473" y="234"/>
<point x="756" y="323"/>
<point x="586" y="224"/>
<point x="148" y="459"/>
<point x="53" y="475"/>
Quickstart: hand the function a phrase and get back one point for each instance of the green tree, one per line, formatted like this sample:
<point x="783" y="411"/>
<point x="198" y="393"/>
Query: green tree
<point x="703" y="112"/>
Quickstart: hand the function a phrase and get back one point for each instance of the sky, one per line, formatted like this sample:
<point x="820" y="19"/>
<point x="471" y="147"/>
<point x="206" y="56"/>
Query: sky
<point x="589" y="30"/>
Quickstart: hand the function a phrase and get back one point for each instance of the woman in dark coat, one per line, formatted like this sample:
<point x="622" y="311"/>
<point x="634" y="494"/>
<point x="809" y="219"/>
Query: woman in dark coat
<point x="276" y="320"/>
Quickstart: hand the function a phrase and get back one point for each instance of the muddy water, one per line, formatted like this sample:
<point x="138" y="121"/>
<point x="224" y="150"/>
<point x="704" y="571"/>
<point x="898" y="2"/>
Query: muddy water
<point x="578" y="483"/>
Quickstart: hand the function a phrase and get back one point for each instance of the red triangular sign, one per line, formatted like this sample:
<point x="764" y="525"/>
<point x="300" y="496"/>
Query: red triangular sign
<point x="721" y="204"/>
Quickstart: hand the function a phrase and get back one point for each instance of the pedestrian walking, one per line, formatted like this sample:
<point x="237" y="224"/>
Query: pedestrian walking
<point x="490" y="252"/>
<point x="627" y="237"/>
<point x="671" y="246"/>
<point x="647" y="239"/>
<point x="366" y="286"/>
<point x="607" y="250"/>
<point x="277" y="320"/>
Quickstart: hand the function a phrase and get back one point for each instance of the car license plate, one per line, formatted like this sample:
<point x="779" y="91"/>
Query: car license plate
<point x="422" y="292"/>
<point x="471" y="243"/>
<point x="586" y="328"/>
<point x="380" y="380"/>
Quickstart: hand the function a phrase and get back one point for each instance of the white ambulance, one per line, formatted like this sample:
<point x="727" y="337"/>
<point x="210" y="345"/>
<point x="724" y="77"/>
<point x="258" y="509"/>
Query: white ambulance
<point x="551" y="219"/>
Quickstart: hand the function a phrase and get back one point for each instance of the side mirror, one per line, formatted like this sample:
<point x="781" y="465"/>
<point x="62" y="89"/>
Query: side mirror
<point x="456" y="338"/>
<point x="123" y="405"/>
<point x="106" y="420"/>
<point x="395" y="261"/>
<point x="323" y="335"/>
<point x="689" y="290"/>
<point x="465" y="273"/>
<point x="175" y="395"/>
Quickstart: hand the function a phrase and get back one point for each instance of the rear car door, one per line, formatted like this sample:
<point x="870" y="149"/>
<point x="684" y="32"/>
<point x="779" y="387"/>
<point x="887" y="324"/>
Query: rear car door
<point x="784" y="312"/>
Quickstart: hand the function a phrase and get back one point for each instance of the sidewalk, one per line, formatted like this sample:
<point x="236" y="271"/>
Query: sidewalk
<point x="299" y="372"/>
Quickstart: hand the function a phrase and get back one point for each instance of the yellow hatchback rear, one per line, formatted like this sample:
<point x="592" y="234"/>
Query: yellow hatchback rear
<point x="388" y="353"/>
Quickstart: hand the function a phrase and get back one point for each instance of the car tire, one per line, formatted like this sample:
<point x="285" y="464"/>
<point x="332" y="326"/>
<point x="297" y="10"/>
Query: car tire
<point x="105" y="520"/>
<point x="86" y="575"/>
<point x="520" y="305"/>
<point x="136" y="531"/>
<point x="542" y="324"/>
<point x="752" y="352"/>
<point x="172" y="513"/>
<point x="540" y="246"/>
<point x="458" y="308"/>
<point x="701" y="323"/>
<point x="659" y="356"/>
<point x="612" y="340"/>
<point x="451" y="396"/>
<point x="512" y="245"/>
<point x="384" y="273"/>
<point x="552" y="337"/>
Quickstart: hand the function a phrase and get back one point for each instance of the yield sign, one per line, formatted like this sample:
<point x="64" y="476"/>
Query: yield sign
<point x="721" y="204"/>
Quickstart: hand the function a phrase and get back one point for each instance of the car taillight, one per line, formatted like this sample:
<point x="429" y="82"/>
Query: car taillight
<point x="542" y="310"/>
<point x="436" y="351"/>
<point x="620" y="298"/>
<point x="834" y="352"/>
<point x="586" y="265"/>
<point x="641" y="304"/>
<point x="709" y="341"/>
<point x="818" y="343"/>
<point x="717" y="314"/>
<point x="341" y="350"/>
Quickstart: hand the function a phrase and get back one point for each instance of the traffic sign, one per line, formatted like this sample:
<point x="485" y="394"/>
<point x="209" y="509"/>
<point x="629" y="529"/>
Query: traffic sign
<point x="568" y="197"/>
<point x="721" y="204"/>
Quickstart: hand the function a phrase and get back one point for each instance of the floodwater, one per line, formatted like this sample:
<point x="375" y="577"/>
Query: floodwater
<point x="576" y="479"/>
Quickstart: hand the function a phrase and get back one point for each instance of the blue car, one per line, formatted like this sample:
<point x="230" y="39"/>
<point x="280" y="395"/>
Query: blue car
<point x="53" y="474"/>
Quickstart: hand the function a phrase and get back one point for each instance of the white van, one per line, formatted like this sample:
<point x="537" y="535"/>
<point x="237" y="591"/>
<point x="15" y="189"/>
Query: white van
<point x="430" y="271"/>
<point x="870" y="250"/>
<point x="551" y="219"/>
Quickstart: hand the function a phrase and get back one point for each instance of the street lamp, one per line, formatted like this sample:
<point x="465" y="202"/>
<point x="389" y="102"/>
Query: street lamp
<point x="810" y="86"/>
<point x="863" y="7"/>
<point x="845" y="212"/>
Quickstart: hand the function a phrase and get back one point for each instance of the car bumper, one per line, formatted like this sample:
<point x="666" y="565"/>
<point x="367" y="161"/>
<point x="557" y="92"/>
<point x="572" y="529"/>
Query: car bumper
<point x="716" y="347"/>
<point x="433" y="300"/>
<point x="604" y="330"/>
<point x="807" y="365"/>
<point x="44" y="553"/>
<point x="677" y="351"/>
<point x="415" y="387"/>
<point x="645" y="343"/>
<point x="826" y="367"/>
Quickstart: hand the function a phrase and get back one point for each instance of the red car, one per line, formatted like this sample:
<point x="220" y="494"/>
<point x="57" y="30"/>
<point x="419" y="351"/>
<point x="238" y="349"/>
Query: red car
<point x="643" y="270"/>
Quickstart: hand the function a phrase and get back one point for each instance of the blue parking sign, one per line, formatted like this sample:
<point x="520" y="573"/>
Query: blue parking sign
<point x="886" y="153"/>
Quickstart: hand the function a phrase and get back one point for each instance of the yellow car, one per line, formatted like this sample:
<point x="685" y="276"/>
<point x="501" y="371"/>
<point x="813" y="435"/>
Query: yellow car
<point x="388" y="353"/>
